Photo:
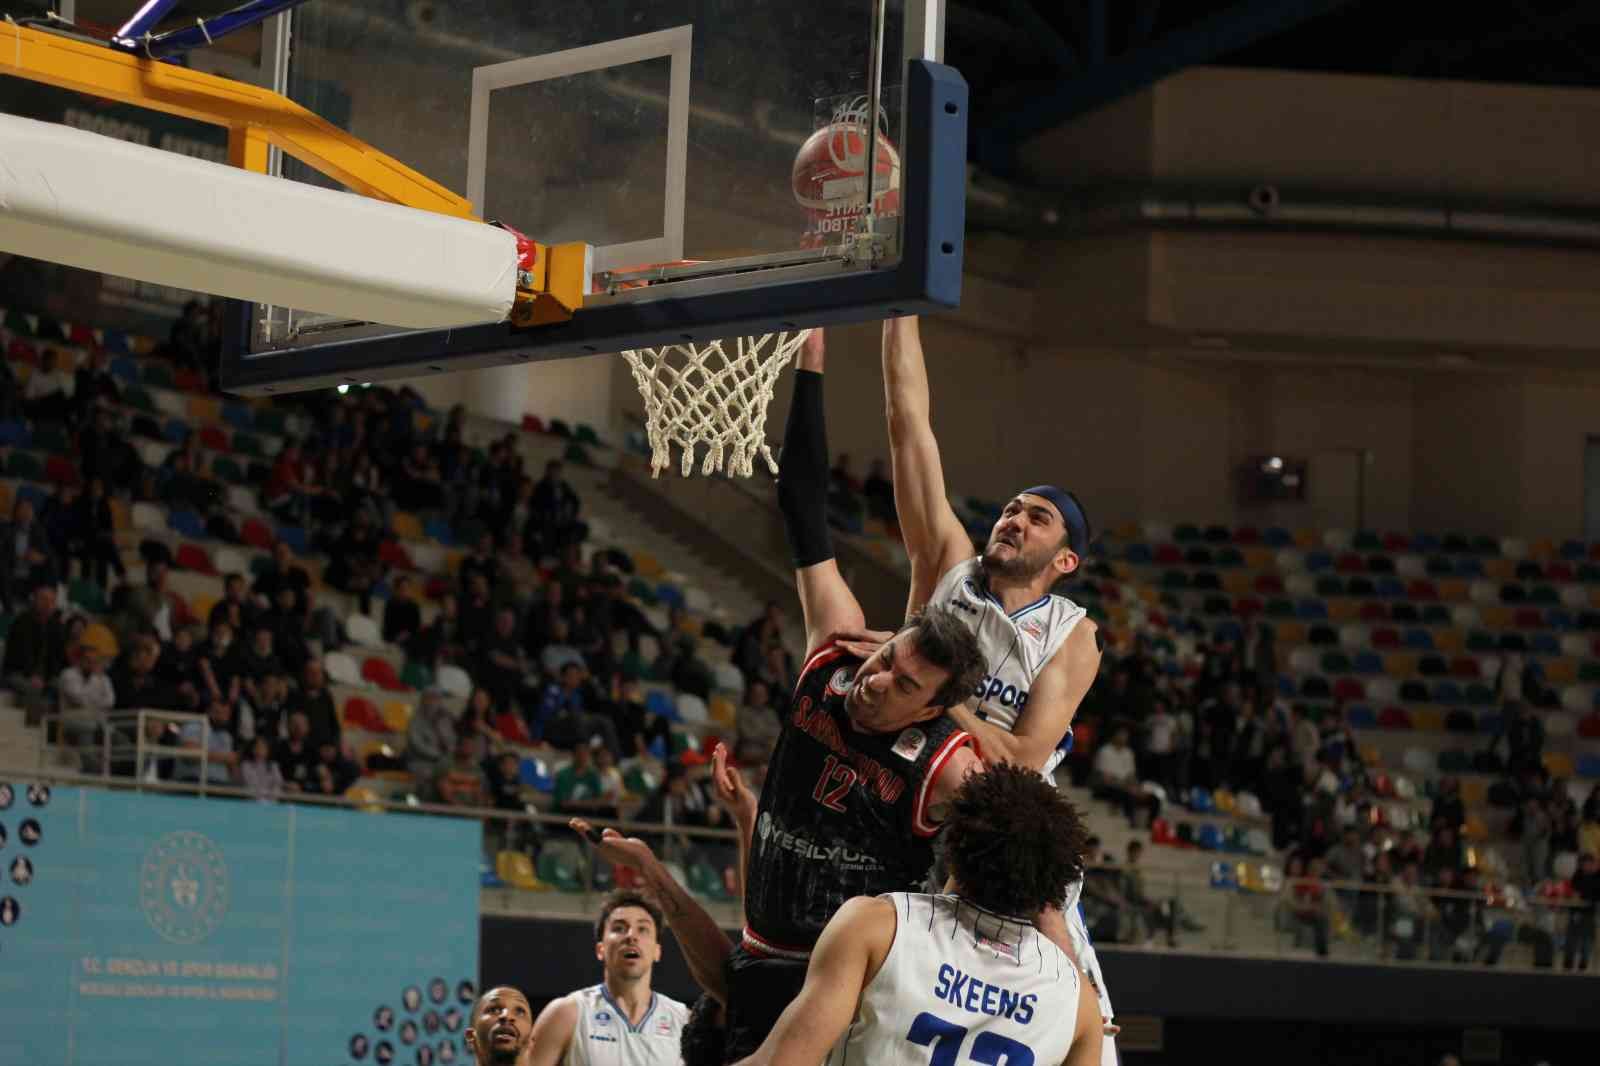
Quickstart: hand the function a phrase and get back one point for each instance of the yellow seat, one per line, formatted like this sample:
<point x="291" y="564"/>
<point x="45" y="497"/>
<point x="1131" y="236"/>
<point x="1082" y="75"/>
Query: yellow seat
<point x="1500" y="569"/>
<point x="1307" y="538"/>
<point x="1235" y="582"/>
<point x="1343" y="609"/>
<point x="205" y="409"/>
<point x="1453" y="590"/>
<point x="120" y="518"/>
<point x="1248" y="875"/>
<point x="407" y="526"/>
<point x="365" y="798"/>
<point x="1427" y="719"/>
<point x="722" y="710"/>
<point x="1223" y="800"/>
<point x="516" y="870"/>
<point x="1594" y="597"/>
<point x="1475" y="829"/>
<point x="1126" y="531"/>
<point x="1290" y="633"/>
<point x="647" y="565"/>
<point x="1559" y="763"/>
<point x="1370" y="755"/>
<point x="101" y="639"/>
<point x="1562" y="671"/>
<point x="1449" y="640"/>
<point x="1400" y="663"/>
<point x="397" y="715"/>
<point x="1119" y="567"/>
<point x="1542" y="550"/>
<point x="1259" y="558"/>
<point x="1474" y="792"/>
<point x="1498" y="616"/>
<point x="201" y="606"/>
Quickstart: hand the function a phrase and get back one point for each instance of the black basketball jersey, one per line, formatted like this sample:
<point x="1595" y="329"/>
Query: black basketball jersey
<point x="843" y="813"/>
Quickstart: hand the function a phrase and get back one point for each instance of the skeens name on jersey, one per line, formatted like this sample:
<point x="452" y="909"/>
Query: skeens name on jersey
<point x="980" y="997"/>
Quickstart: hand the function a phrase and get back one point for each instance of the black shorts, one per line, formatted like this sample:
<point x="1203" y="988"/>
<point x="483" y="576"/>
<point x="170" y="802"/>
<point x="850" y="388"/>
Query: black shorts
<point x="759" y="988"/>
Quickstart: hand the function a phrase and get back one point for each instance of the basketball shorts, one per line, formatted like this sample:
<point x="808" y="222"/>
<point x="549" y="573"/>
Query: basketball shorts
<point x="759" y="988"/>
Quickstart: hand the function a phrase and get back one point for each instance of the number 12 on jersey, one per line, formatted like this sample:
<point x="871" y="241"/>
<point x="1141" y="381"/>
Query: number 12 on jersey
<point x="834" y="785"/>
<point x="946" y="1038"/>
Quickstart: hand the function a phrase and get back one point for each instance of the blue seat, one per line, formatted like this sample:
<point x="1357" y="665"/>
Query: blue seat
<point x="1367" y="662"/>
<point x="1588" y="766"/>
<point x="1419" y="640"/>
<point x="1230" y="630"/>
<point x="1447" y="692"/>
<point x="658" y="749"/>
<point x="1318" y="561"/>
<point x="1423" y="543"/>
<point x="1573" y="549"/>
<point x="1222" y="876"/>
<point x="1469" y="566"/>
<point x="14" y="433"/>
<point x="532" y="772"/>
<point x="1138" y="554"/>
<point x="33" y="494"/>
<point x="126" y="370"/>
<point x="661" y="705"/>
<point x="1311" y="610"/>
<point x="670" y="594"/>
<point x="439" y="529"/>
<point x="1200" y="800"/>
<point x="1388" y="587"/>
<point x="187" y="523"/>
<point x="1556" y="618"/>
<point x="381" y="590"/>
<point x="1546" y="644"/>
<point x="175" y="431"/>
<point x="239" y="415"/>
<point x="1286" y="687"/>
<point x="1277" y="537"/>
<point x="1360" y="716"/>
<point x="487" y="878"/>
<point x="1492" y="723"/>
<point x="1208" y="837"/>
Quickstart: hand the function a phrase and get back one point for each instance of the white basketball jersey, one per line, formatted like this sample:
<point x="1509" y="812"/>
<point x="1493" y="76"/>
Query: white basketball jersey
<point x="603" y="1036"/>
<point x="961" y="984"/>
<point x="1016" y="646"/>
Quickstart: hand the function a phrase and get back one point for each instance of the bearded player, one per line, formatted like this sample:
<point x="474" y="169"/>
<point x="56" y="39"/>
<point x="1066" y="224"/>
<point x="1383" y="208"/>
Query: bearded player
<point x="866" y="758"/>
<point x="964" y="976"/>
<point x="621" y="1021"/>
<point x="1040" y="652"/>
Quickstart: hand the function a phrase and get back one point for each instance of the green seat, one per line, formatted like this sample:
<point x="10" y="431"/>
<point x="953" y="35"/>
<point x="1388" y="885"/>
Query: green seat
<point x="260" y="565"/>
<point x="1478" y="640"/>
<point x="1436" y="614"/>
<point x="226" y="470"/>
<point x="643" y="591"/>
<point x="246" y="444"/>
<point x="680" y="742"/>
<point x="271" y="420"/>
<point x="88" y="595"/>
<point x="1335" y="662"/>
<point x="1280" y="609"/>
<point x="156" y="375"/>
<point x="1589" y="671"/>
<point x="416" y="675"/>
<point x="638" y="781"/>
<point x="705" y="881"/>
<point x="1328" y="585"/>
<point x="1479" y="695"/>
<point x="1174" y="579"/>
<point x="1366" y="541"/>
<point x="586" y="433"/>
<point x="1230" y="557"/>
<point x="1544" y="595"/>
<point x="51" y="437"/>
<point x="577" y="455"/>
<point x="557" y="867"/>
<point x="1184" y="533"/>
<point x="139" y="399"/>
<point x="5" y="624"/>
<point x="23" y="465"/>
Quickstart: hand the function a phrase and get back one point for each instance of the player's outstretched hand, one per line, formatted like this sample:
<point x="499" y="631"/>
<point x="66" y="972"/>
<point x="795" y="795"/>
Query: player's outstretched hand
<point x="613" y="846"/>
<point x="863" y="643"/>
<point x="730" y="788"/>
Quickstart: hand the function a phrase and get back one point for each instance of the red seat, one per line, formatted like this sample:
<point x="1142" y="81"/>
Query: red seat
<point x="1530" y="618"/>
<point x="1348" y="688"/>
<point x="190" y="380"/>
<point x="1349" y="562"/>
<point x="1465" y="666"/>
<point x="60" y="470"/>
<point x="533" y="424"/>
<point x="393" y="554"/>
<point x="1385" y="638"/>
<point x="1269" y="584"/>
<point x="214" y="438"/>
<point x="1422" y="589"/>
<point x="1161" y="832"/>
<point x="23" y="352"/>
<point x="83" y="336"/>
<point x="1394" y="718"/>
<point x="1589" y="725"/>
<point x="1248" y="607"/>
<point x="193" y="557"/>
<point x="257" y="534"/>
<point x="1168" y="555"/>
<point x="363" y="714"/>
<point x="1372" y="611"/>
<point x="1110" y="590"/>
<point x="1558" y="571"/>
<point x="1396" y="542"/>
<point x="1242" y="535"/>
<point x="438" y="588"/>
<point x="1382" y="785"/>
<point x="381" y="673"/>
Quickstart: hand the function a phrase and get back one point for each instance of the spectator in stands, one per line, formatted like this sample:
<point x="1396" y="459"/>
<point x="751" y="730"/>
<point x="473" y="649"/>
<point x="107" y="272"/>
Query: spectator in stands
<point x="1524" y="739"/>
<point x="479" y="562"/>
<point x="94" y="382"/>
<point x="878" y="491"/>
<point x="94" y="535"/>
<point x="1247" y="760"/>
<point x="1160" y="745"/>
<point x="416" y="484"/>
<point x="283" y="573"/>
<point x="501" y="663"/>
<point x="565" y="717"/>
<point x="477" y="719"/>
<point x="158" y="733"/>
<point x="287" y="493"/>
<point x="86" y="700"/>
<point x="1103" y="902"/>
<point x="1409" y="909"/>
<point x="215" y="738"/>
<point x="296" y="754"/>
<point x="288" y="626"/>
<point x="559" y="652"/>
<point x="218" y="677"/>
<point x="1346" y="861"/>
<point x="1116" y="779"/>
<point x="460" y="783"/>
<point x="555" y="512"/>
<point x="1447" y="807"/>
<point x="758" y="638"/>
<point x="430" y="738"/>
<point x="269" y="706"/>
<point x="402" y="617"/>
<point x="477" y="614"/>
<point x="316" y="703"/>
<point x="440" y="641"/>
<point x="135" y="608"/>
<point x="1308" y="907"/>
<point x="640" y="727"/>
<point x="256" y="662"/>
<point x="758" y="725"/>
<point x="185" y="486"/>
<point x="138" y="685"/>
<point x="353" y="565"/>
<point x="1581" y="920"/>
<point x="48" y="394"/>
<point x="104" y="451"/>
<point x="261" y="775"/>
<point x="332" y="774"/>
<point x="36" y="653"/>
<point x="1149" y="917"/>
<point x="580" y="788"/>
<point x="777" y="671"/>
<point x="26" y="555"/>
<point x="1535" y="845"/>
<point x="1450" y="936"/>
<point x="1443" y="853"/>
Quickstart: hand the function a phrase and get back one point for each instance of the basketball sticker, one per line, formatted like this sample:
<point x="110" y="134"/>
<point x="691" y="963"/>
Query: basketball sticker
<point x="839" y="683"/>
<point x="830" y="172"/>
<point x="909" y="744"/>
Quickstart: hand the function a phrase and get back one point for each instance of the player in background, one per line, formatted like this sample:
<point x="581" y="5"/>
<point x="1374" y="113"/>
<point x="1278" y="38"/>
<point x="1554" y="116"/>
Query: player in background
<point x="1041" y="653"/>
<point x="500" y="1031"/>
<point x="908" y="978"/>
<point x="621" y="1021"/>
<point x="866" y="757"/>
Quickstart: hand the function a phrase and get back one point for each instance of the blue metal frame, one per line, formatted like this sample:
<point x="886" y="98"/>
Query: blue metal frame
<point x="927" y="278"/>
<point x="134" y="36"/>
<point x="1101" y="82"/>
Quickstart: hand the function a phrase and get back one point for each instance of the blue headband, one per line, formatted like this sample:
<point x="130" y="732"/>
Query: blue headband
<point x="1071" y="515"/>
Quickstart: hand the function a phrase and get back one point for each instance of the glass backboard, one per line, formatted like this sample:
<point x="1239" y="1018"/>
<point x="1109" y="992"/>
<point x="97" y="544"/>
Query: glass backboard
<point x="727" y="137"/>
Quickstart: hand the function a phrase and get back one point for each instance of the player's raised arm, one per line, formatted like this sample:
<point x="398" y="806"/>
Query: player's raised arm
<point x="1052" y="704"/>
<point x="934" y="537"/>
<point x="846" y="958"/>
<point x="826" y="601"/>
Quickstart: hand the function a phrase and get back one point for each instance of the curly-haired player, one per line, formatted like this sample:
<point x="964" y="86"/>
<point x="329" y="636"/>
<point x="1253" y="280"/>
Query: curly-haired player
<point x="964" y="975"/>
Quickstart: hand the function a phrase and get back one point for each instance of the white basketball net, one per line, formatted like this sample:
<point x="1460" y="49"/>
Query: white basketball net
<point x="703" y="394"/>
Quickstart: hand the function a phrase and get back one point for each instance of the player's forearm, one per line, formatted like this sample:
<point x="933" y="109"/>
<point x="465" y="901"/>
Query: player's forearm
<point x="905" y="377"/>
<point x="705" y="946"/>
<point x="997" y="746"/>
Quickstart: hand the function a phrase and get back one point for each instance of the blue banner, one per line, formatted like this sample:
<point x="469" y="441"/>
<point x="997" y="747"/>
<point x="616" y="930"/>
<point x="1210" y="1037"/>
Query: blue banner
<point x="170" y="930"/>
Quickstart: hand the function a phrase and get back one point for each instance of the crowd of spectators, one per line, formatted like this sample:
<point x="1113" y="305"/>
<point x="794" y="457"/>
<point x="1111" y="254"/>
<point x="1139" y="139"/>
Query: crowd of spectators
<point x="1428" y="895"/>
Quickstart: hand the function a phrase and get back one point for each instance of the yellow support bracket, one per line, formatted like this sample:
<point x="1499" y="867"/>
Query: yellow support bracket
<point x="255" y="117"/>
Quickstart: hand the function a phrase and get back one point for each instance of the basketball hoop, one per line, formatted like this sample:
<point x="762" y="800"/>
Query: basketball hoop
<point x="713" y="395"/>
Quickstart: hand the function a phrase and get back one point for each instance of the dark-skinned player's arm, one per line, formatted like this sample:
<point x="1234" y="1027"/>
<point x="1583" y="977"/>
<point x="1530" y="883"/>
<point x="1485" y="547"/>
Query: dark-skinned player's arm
<point x="1089" y="1033"/>
<point x="705" y="946"/>
<point x="829" y="607"/>
<point x="1052" y="703"/>
<point x="847" y="956"/>
<point x="552" y="1032"/>
<point x="935" y="538"/>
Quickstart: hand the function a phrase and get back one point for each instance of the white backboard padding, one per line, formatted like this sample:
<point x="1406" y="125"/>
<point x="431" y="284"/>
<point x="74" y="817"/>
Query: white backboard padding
<point x="89" y="201"/>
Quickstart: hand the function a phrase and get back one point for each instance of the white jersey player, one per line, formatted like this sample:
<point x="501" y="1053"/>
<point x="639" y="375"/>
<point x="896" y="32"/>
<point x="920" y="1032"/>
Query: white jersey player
<point x="1041" y="652"/>
<point x="907" y="979"/>
<point x="621" y="1021"/>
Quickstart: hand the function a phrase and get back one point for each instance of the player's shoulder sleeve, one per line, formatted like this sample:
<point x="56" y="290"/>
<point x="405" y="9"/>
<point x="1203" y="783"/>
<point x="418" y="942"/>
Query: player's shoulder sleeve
<point x="820" y="664"/>
<point x="943" y="745"/>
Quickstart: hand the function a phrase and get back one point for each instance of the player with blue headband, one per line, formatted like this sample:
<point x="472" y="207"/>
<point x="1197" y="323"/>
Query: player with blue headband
<point x="1041" y="652"/>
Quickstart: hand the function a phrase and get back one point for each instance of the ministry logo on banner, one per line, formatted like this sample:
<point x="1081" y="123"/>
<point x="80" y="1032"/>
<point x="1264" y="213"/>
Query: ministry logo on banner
<point x="183" y="887"/>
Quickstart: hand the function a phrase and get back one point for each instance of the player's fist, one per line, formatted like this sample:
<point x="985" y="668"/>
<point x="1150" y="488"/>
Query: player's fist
<point x="613" y="846"/>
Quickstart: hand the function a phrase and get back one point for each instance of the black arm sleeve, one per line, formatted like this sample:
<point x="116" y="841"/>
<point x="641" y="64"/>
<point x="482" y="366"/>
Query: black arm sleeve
<point x="803" y="480"/>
